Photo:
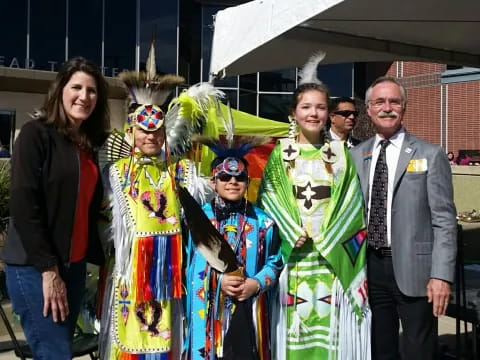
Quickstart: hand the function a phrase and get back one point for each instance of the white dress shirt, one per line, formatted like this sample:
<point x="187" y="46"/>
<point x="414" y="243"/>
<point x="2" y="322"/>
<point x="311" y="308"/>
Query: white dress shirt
<point x="334" y="136"/>
<point x="392" y="153"/>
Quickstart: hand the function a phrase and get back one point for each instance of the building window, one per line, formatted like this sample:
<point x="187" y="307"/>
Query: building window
<point x="247" y="101"/>
<point x="85" y="30"/>
<point x="159" y="17"/>
<point x="278" y="81"/>
<point x="47" y="34"/>
<point x="338" y="78"/>
<point x="274" y="106"/>
<point x="230" y="97"/>
<point x="119" y="35"/>
<point x="13" y="27"/>
<point x="7" y="132"/>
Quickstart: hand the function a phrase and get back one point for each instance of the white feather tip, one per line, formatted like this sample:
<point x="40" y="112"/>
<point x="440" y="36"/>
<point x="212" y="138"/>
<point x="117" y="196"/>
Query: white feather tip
<point x="308" y="74"/>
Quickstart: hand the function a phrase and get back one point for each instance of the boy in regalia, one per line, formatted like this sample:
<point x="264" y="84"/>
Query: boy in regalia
<point x="142" y="314"/>
<point x="214" y="297"/>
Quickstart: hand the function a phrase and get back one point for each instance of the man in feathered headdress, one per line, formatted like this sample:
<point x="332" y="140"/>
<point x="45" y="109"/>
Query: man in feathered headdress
<point x="215" y="332"/>
<point x="142" y="312"/>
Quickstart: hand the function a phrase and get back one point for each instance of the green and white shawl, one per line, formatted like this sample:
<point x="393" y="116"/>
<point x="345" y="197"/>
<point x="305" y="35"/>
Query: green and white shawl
<point x="340" y="242"/>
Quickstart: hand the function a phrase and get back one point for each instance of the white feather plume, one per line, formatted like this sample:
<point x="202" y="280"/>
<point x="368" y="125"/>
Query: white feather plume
<point x="229" y="126"/>
<point x="308" y="74"/>
<point x="187" y="115"/>
<point x="151" y="66"/>
<point x="203" y="93"/>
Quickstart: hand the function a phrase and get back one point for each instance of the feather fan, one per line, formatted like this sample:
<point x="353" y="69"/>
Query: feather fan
<point x="206" y="238"/>
<point x="116" y="146"/>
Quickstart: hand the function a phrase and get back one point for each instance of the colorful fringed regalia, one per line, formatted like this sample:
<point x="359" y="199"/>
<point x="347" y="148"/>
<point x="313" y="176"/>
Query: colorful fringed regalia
<point x="252" y="235"/>
<point x="323" y="311"/>
<point x="142" y="316"/>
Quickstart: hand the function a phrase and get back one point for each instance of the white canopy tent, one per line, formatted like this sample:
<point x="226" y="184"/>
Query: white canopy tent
<point x="264" y="35"/>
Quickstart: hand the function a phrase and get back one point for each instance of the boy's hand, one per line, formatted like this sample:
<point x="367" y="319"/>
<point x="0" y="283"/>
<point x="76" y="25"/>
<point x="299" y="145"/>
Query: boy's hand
<point x="232" y="285"/>
<point x="250" y="288"/>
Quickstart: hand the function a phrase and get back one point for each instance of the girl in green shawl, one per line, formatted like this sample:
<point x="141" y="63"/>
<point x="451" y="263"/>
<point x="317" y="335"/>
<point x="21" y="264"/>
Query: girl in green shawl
<point x="310" y="188"/>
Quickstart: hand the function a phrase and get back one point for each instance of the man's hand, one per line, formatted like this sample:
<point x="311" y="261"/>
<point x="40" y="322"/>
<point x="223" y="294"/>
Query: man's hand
<point x="232" y="285"/>
<point x="438" y="292"/>
<point x="250" y="288"/>
<point x="54" y="295"/>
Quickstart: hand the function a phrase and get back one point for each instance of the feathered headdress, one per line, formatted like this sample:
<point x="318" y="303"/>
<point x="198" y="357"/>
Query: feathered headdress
<point x="186" y="114"/>
<point x="147" y="92"/>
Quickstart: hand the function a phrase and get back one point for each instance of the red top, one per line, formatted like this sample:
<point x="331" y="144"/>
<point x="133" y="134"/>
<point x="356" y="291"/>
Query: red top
<point x="86" y="189"/>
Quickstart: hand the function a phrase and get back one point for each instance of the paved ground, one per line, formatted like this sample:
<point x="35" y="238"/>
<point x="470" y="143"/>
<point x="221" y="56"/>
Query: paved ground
<point x="446" y="339"/>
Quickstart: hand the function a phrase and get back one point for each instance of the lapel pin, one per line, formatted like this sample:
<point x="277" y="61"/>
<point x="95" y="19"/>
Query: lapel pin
<point x="367" y="156"/>
<point x="408" y="150"/>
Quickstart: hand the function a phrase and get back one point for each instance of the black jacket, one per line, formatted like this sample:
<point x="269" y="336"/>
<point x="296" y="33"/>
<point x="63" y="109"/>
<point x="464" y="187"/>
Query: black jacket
<point x="43" y="196"/>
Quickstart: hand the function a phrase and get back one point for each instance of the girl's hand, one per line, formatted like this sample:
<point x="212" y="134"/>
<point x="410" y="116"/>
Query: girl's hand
<point x="301" y="240"/>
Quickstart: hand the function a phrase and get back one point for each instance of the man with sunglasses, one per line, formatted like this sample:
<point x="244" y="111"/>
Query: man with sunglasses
<point x="342" y="120"/>
<point x="212" y="296"/>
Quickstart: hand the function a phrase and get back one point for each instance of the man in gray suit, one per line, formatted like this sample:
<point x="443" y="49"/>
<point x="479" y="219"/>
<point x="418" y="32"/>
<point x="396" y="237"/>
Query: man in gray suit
<point x="407" y="186"/>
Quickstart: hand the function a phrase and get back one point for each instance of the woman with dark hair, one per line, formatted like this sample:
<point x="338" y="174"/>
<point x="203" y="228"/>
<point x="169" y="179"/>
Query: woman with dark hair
<point x="310" y="189"/>
<point x="56" y="194"/>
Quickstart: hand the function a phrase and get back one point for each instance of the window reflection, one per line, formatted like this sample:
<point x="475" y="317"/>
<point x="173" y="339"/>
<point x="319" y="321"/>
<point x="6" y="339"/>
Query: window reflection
<point x="249" y="81"/>
<point x="159" y="17"/>
<point x="282" y="80"/>
<point x="47" y="21"/>
<point x="274" y="106"/>
<point x="227" y="82"/>
<point x="248" y="101"/>
<point x="119" y="35"/>
<point x="85" y="29"/>
<point x="231" y="96"/>
<point x="338" y="78"/>
<point x="13" y="27"/>
<point x="7" y="130"/>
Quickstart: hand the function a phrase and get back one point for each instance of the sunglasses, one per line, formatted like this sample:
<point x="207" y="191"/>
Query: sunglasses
<point x="223" y="176"/>
<point x="346" y="113"/>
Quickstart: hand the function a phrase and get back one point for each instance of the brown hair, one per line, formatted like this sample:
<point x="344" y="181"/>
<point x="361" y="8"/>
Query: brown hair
<point x="303" y="88"/>
<point x="94" y="130"/>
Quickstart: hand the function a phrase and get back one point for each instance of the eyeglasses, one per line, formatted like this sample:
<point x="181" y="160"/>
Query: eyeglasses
<point x="346" y="113"/>
<point x="394" y="102"/>
<point x="223" y="176"/>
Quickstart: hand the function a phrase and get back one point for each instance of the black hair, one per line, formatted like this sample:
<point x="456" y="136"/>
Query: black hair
<point x="336" y="101"/>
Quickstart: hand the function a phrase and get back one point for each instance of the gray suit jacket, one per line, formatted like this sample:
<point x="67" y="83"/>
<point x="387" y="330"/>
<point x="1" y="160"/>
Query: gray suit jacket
<point x="424" y="226"/>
